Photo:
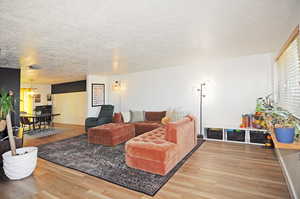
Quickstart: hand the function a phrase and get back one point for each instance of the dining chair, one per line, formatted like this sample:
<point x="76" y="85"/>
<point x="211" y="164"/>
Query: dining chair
<point x="25" y="122"/>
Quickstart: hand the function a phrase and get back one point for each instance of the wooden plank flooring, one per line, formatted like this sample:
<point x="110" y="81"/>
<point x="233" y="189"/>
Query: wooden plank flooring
<point x="216" y="170"/>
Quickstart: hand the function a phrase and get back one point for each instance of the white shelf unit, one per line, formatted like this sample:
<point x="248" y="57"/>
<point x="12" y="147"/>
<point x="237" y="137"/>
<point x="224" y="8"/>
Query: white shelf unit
<point x="224" y="138"/>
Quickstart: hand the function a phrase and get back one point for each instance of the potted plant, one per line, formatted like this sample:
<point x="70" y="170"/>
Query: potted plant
<point x="17" y="163"/>
<point x="285" y="129"/>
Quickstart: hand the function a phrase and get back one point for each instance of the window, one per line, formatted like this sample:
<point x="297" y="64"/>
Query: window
<point x="288" y="76"/>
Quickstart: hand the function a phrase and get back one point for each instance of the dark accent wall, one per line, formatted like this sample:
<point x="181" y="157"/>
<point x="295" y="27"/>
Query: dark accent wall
<point x="68" y="87"/>
<point x="10" y="80"/>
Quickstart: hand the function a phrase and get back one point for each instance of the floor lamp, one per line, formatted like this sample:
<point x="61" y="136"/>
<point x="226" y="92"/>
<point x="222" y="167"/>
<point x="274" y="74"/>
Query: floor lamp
<point x="202" y="85"/>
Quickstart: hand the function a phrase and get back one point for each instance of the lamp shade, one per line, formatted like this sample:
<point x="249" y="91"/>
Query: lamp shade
<point x="116" y="85"/>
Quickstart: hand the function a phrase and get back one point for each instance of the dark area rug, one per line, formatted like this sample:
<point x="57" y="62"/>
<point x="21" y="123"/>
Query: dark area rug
<point x="107" y="163"/>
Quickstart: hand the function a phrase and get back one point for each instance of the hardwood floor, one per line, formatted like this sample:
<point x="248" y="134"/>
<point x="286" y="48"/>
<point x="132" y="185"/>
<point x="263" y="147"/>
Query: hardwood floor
<point x="69" y="131"/>
<point x="215" y="170"/>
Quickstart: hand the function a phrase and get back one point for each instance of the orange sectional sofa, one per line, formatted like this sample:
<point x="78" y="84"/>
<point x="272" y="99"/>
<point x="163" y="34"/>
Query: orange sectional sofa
<point x="118" y="132"/>
<point x="159" y="150"/>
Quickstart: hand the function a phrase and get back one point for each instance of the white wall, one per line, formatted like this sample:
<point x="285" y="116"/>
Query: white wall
<point x="95" y="79"/>
<point x="232" y="90"/>
<point x="71" y="106"/>
<point x="43" y="89"/>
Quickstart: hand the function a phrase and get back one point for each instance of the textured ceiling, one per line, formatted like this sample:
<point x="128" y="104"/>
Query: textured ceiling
<point x="70" y="38"/>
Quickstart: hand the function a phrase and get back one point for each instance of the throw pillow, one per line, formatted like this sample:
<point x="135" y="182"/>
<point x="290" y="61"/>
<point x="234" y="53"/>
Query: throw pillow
<point x="176" y="115"/>
<point x="165" y="120"/>
<point x="126" y="116"/>
<point x="155" y="116"/>
<point x="118" y="118"/>
<point x="137" y="116"/>
<point x="179" y="115"/>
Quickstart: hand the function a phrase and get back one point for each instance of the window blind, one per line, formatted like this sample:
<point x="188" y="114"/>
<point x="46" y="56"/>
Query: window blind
<point x="288" y="77"/>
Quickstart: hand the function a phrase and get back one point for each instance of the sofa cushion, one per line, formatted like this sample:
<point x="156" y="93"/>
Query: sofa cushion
<point x="143" y="127"/>
<point x="118" y="118"/>
<point x="136" y="116"/>
<point x="176" y="115"/>
<point x="165" y="120"/>
<point x="155" y="116"/>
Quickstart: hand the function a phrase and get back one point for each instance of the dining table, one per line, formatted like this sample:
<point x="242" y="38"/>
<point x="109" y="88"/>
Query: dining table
<point x="37" y="119"/>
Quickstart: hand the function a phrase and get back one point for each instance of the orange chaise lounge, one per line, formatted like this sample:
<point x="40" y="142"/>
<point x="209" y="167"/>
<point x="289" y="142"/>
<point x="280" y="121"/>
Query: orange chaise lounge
<point x="159" y="150"/>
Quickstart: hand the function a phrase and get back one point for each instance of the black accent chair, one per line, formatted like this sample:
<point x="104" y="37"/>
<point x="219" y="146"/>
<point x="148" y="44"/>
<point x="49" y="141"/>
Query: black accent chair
<point x="105" y="116"/>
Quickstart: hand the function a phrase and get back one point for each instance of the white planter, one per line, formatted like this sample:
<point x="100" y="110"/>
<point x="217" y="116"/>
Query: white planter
<point x="20" y="166"/>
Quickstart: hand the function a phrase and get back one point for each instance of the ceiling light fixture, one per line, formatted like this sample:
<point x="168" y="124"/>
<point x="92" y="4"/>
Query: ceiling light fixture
<point x="31" y="92"/>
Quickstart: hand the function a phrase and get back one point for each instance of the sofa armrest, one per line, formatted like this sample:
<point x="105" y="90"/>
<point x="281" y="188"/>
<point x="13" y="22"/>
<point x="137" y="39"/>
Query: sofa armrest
<point x="102" y="121"/>
<point x="182" y="132"/>
<point x="91" y="119"/>
<point x="90" y="122"/>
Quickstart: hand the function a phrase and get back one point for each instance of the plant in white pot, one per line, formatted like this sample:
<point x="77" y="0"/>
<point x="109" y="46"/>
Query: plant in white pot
<point x="17" y="163"/>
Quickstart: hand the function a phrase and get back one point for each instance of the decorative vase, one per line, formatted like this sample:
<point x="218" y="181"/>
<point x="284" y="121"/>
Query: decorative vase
<point x="285" y="135"/>
<point x="21" y="165"/>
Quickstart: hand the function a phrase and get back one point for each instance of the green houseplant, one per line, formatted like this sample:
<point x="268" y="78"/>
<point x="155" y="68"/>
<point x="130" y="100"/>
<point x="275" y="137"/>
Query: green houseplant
<point x="17" y="163"/>
<point x="6" y="107"/>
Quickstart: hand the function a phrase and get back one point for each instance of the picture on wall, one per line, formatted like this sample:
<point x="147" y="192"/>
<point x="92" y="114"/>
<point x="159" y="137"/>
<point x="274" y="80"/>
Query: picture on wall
<point x="37" y="98"/>
<point x="98" y="95"/>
